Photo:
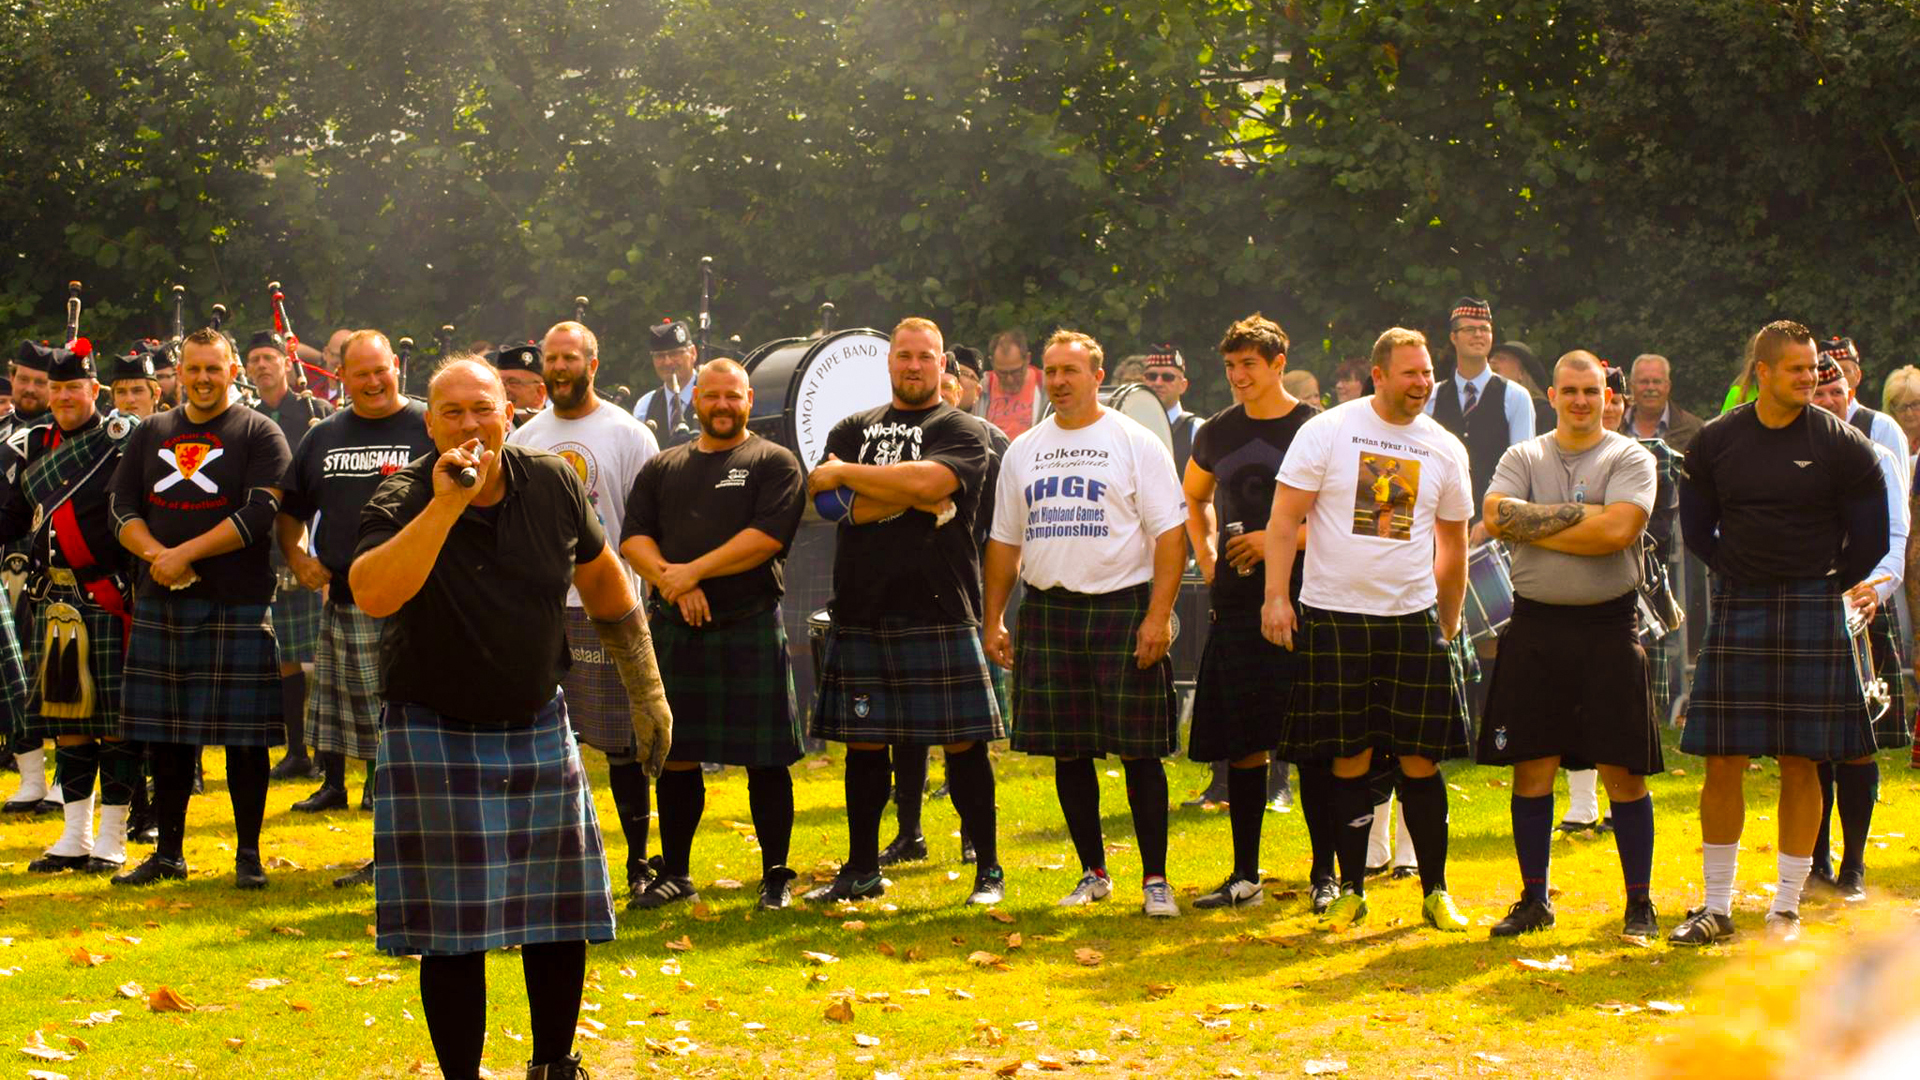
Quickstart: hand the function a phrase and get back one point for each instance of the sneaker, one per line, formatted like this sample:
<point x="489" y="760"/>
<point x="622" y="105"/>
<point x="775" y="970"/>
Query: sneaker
<point x="54" y="864"/>
<point x="143" y="828"/>
<point x="989" y="886"/>
<point x="1216" y="790"/>
<point x="1234" y="892"/>
<point x="1783" y="926"/>
<point x="1821" y="882"/>
<point x="327" y="798"/>
<point x="1642" y="920"/>
<point x="776" y="889"/>
<point x="1157" y="899"/>
<point x="247" y="871"/>
<point x="904" y="849"/>
<point x="295" y="767"/>
<point x="1571" y="827"/>
<point x="1440" y="913"/>
<point x="1282" y="802"/>
<point x="1605" y="826"/>
<point x="1324" y="894"/>
<point x="1092" y="888"/>
<point x="156" y="868"/>
<point x="1402" y="873"/>
<point x="663" y="890"/>
<point x="1701" y="927"/>
<point x="567" y="1068"/>
<point x="1376" y="871"/>
<point x="940" y="792"/>
<point x="639" y="875"/>
<point x="1346" y="912"/>
<point x="362" y="876"/>
<point x="98" y="865"/>
<point x="24" y="806"/>
<point x="1524" y="917"/>
<point x="366" y="793"/>
<point x="1852" y="886"/>
<point x="849" y="884"/>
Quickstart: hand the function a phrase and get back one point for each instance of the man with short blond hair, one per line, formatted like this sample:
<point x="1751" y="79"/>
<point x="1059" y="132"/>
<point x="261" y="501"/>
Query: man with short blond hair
<point x="1652" y="414"/>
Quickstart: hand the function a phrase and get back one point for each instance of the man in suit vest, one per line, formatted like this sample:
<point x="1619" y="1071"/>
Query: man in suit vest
<point x="668" y="410"/>
<point x="1167" y="378"/>
<point x="1483" y="410"/>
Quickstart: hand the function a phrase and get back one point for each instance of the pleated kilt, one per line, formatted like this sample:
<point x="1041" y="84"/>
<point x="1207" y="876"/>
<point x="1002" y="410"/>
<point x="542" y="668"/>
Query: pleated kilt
<point x="13" y="673"/>
<point x="106" y="659"/>
<point x="731" y="689"/>
<point x="201" y="672"/>
<point x="1388" y="682"/>
<point x="296" y="620"/>
<point x="596" y="698"/>
<point x="1572" y="682"/>
<point x="1890" y="730"/>
<point x="905" y="684"/>
<point x="1241" y="694"/>
<point x="343" y="708"/>
<point x="1775" y="676"/>
<point x="1076" y="689"/>
<point x="484" y="837"/>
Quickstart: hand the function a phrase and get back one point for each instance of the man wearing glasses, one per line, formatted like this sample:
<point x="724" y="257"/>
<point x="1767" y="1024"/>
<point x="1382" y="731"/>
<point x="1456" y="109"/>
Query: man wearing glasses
<point x="1477" y="405"/>
<point x="1654" y="415"/>
<point x="1167" y="378"/>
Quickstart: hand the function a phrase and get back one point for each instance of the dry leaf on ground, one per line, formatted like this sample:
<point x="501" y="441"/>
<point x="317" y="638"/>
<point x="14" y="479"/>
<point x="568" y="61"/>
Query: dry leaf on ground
<point x="164" y="999"/>
<point x="682" y="944"/>
<point x="1088" y="957"/>
<point x="1324" y="1066"/>
<point x="1558" y="963"/>
<point x="840" y="1011"/>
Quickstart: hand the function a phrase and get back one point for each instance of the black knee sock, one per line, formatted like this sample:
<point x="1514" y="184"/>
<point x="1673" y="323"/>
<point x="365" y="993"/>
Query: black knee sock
<point x="172" y="787"/>
<point x="556" y="973"/>
<point x="293" y="709"/>
<point x="453" y="995"/>
<point x="1857" y="788"/>
<point x="970" y="783"/>
<point x="1316" y="806"/>
<point x="770" y="800"/>
<point x="1424" y="802"/>
<point x="1246" y="808"/>
<point x="75" y="768"/>
<point x="632" y="801"/>
<point x="247" y="768"/>
<point x="909" y="786"/>
<point x="1633" y="835"/>
<point x="1147" y="798"/>
<point x="1532" y="842"/>
<point x="1078" y="786"/>
<point x="1823" y="843"/>
<point x="142" y="794"/>
<point x="119" y="772"/>
<point x="21" y="744"/>
<point x="1353" y="810"/>
<point x="683" y="798"/>
<point x="869" y="778"/>
<point x="333" y="769"/>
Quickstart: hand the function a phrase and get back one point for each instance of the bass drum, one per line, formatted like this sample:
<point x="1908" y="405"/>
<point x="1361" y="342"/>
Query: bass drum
<point x="1137" y="403"/>
<point x="804" y="386"/>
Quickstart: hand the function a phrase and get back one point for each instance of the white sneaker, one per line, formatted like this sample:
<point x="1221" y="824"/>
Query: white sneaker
<point x="1157" y="899"/>
<point x="1092" y="887"/>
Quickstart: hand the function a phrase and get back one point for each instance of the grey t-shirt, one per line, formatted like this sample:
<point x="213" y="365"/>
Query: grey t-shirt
<point x="1614" y="470"/>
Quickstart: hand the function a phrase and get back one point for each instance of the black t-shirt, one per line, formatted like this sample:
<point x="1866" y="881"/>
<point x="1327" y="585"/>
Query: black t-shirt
<point x="336" y="469"/>
<point x="1244" y="456"/>
<point x="296" y="415"/>
<point x="484" y="640"/>
<point x="904" y="569"/>
<point x="690" y="502"/>
<point x="184" y="478"/>
<point x="1779" y="494"/>
<point x="997" y="443"/>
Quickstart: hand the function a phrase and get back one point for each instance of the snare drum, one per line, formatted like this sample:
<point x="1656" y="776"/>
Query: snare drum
<point x="818" y="625"/>
<point x="1489" y="600"/>
<point x="804" y="386"/>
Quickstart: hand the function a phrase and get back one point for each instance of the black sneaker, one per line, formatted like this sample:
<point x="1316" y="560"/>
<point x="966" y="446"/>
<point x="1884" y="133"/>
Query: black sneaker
<point x="54" y="864"/>
<point x="295" y="767"/>
<point x="157" y="868"/>
<point x="362" y="876"/>
<point x="904" y="849"/>
<point x="1235" y="892"/>
<point x="776" y="889"/>
<point x="247" y="871"/>
<point x="940" y="792"/>
<point x="639" y="875"/>
<point x="1216" y="790"/>
<point x="989" y="886"/>
<point x="143" y="828"/>
<point x="662" y="891"/>
<point x="1376" y="871"/>
<point x="1605" y="826"/>
<point x="1701" y="927"/>
<point x="1852" y="885"/>
<point x="1325" y="892"/>
<point x="567" y="1068"/>
<point x="98" y="865"/>
<point x="849" y="885"/>
<point x="327" y="798"/>
<point x="366" y="793"/>
<point x="1642" y="920"/>
<point x="1821" y="882"/>
<point x="1402" y="873"/>
<point x="1524" y="917"/>
<point x="1571" y="827"/>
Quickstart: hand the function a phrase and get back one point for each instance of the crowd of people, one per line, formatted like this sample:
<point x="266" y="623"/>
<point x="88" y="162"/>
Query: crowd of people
<point x="486" y="579"/>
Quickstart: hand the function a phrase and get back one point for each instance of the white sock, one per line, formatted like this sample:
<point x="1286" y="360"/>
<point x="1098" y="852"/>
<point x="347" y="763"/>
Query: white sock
<point x="33" y="777"/>
<point x="1403" y="842"/>
<point x="1793" y="876"/>
<point x="77" y="838"/>
<point x="1719" y="863"/>
<point x="1377" y="850"/>
<point x="1583" y="796"/>
<point x="111" y="843"/>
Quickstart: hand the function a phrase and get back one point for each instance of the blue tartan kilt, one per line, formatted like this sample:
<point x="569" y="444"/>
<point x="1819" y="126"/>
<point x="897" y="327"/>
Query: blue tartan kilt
<point x="1240" y="697"/>
<point x="296" y="622"/>
<point x="731" y="690"/>
<point x="201" y="672"/>
<point x="910" y="685"/>
<point x="1775" y="677"/>
<point x="484" y="837"/>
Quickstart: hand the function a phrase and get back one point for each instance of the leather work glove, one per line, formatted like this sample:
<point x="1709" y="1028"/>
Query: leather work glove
<point x="630" y="645"/>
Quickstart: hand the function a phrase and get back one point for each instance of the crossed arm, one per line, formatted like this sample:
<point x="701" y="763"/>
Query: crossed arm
<point x="1569" y="528"/>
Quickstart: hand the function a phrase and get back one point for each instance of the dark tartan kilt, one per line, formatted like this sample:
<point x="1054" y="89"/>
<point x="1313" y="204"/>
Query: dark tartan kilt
<point x="1240" y="696"/>
<point x="596" y="698"/>
<point x="1890" y="730"/>
<point x="731" y="689"/>
<point x="908" y="685"/>
<point x="106" y="659"/>
<point x="1572" y="682"/>
<point x="296" y="622"/>
<point x="201" y="672"/>
<point x="1076" y="689"/>
<point x="484" y="837"/>
<point x="1388" y="682"/>
<point x="1775" y="676"/>
<point x="13" y="673"/>
<point x="343" y="710"/>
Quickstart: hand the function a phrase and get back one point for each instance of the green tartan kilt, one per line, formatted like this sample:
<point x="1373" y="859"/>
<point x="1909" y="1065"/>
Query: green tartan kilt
<point x="106" y="657"/>
<point x="731" y="689"/>
<point x="13" y="675"/>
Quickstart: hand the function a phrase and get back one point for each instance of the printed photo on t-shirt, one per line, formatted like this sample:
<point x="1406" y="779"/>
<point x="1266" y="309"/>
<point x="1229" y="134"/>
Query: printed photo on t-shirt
<point x="1384" y="496"/>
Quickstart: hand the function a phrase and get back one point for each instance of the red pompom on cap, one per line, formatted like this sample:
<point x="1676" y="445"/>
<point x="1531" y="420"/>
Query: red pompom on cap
<point x="80" y="347"/>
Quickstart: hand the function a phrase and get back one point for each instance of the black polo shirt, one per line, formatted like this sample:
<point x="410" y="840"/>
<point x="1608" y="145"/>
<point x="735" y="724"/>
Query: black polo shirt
<point x="484" y="640"/>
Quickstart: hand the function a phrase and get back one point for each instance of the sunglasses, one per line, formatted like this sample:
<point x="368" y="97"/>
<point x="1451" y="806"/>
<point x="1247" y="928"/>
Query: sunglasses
<point x="1162" y="376"/>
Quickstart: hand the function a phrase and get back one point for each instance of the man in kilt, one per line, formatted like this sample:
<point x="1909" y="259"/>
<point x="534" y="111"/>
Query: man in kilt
<point x="903" y="666"/>
<point x="1245" y="679"/>
<point x="708" y="524"/>
<point x="193" y="498"/>
<point x="296" y="605"/>
<point x="37" y="793"/>
<point x="606" y="448"/>
<point x="484" y="831"/>
<point x="1089" y="515"/>
<point x="1855" y="784"/>
<point x="335" y="470"/>
<point x="1787" y="505"/>
<point x="1388" y="491"/>
<point x="1570" y="685"/>
<point x="76" y="605"/>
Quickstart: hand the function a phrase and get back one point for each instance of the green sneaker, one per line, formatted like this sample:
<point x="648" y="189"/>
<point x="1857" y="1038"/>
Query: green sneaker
<point x="1345" y="913"/>
<point x="1441" y="914"/>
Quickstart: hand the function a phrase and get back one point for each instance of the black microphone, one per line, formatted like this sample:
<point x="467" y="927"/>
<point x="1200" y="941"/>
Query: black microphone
<point x="467" y="476"/>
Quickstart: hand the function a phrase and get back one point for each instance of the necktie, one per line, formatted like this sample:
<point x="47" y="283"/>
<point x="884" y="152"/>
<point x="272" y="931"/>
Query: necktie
<point x="673" y="411"/>
<point x="1471" y="396"/>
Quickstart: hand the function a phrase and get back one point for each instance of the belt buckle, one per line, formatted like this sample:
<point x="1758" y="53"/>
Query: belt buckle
<point x="61" y="575"/>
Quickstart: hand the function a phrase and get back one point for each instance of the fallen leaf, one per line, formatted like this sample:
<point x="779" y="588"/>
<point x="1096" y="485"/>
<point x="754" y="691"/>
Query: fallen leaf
<point x="164" y="999"/>
<point x="43" y="1074"/>
<point x="958" y="994"/>
<point x="1496" y="1059"/>
<point x="1008" y="1069"/>
<point x="865" y="1040"/>
<point x="1667" y="1007"/>
<point x="235" y="1044"/>
<point x="290" y="931"/>
<point x="1122" y="1034"/>
<point x="683" y="944"/>
<point x="1088" y="957"/>
<point x="1159" y="990"/>
<point x="853" y="924"/>
<point x="875" y="997"/>
<point x="989" y="1034"/>
<point x="1324" y="1066"/>
<point x="340" y="954"/>
<point x="916" y="954"/>
<point x="83" y="958"/>
<point x="1088" y="1057"/>
<point x="1014" y="940"/>
<point x="300" y="1006"/>
<point x="703" y="913"/>
<point x="130" y="990"/>
<point x="887" y="950"/>
<point x="671" y="967"/>
<point x="999" y="916"/>
<point x="982" y="958"/>
<point x="1558" y="963"/>
<point x="277" y="862"/>
<point x="265" y="984"/>
<point x="819" y="958"/>
<point x="754" y="1025"/>
<point x="840" y="1011"/>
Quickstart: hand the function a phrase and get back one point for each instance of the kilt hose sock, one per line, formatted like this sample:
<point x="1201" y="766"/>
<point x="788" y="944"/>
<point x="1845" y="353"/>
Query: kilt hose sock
<point x="1532" y="843"/>
<point x="683" y="799"/>
<point x="453" y="994"/>
<point x="633" y="802"/>
<point x="1353" y="810"/>
<point x="1858" y="787"/>
<point x="1423" y="804"/>
<point x="247" y="768"/>
<point x="75" y="768"/>
<point x="1078" y="787"/>
<point x="1823" y="843"/>
<point x="1633" y="835"/>
<point x="909" y="786"/>
<point x="1316" y="806"/>
<point x="970" y="783"/>
<point x="333" y="768"/>
<point x="1246" y="808"/>
<point x="1147" y="799"/>
<point x="869" y="781"/>
<point x="770" y="802"/>
<point x="556" y="973"/>
<point x="172" y="787"/>
<point x="293" y="709"/>
<point x="120" y="777"/>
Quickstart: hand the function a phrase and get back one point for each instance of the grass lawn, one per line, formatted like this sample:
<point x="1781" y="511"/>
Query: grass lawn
<point x="726" y="991"/>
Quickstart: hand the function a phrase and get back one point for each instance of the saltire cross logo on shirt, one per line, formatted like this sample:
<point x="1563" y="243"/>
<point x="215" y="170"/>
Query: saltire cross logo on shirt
<point x="187" y="459"/>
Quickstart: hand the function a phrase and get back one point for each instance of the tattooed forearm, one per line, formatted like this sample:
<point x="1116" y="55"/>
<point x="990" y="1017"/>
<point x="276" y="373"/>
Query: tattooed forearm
<point x="1524" y="522"/>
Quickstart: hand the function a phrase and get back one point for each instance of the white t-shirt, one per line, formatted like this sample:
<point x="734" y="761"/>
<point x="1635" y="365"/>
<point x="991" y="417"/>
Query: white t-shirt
<point x="606" y="448"/>
<point x="1381" y="487"/>
<point x="1085" y="505"/>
